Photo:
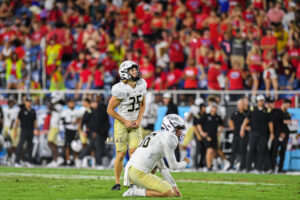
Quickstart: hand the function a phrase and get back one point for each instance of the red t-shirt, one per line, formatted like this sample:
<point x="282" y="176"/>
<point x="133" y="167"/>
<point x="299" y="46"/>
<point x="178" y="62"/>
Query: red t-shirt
<point x="293" y="53"/>
<point x="109" y="64"/>
<point x="176" y="52"/>
<point x="146" y="70"/>
<point x="193" y="5"/>
<point x="173" y="76"/>
<point x="199" y="18"/>
<point x="20" y="52"/>
<point x="212" y="78"/>
<point x="298" y="71"/>
<point x="190" y="83"/>
<point x="85" y="74"/>
<point x="103" y="43"/>
<point x="146" y="26"/>
<point x="159" y="82"/>
<point x="268" y="41"/>
<point x="76" y="65"/>
<point x="98" y="79"/>
<point x="37" y="36"/>
<point x="235" y="80"/>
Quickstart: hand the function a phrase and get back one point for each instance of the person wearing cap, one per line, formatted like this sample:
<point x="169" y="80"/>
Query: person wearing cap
<point x="281" y="135"/>
<point x="70" y="118"/>
<point x="10" y="115"/>
<point x="235" y="123"/>
<point x="200" y="145"/>
<point x="260" y="125"/>
<point x="28" y="122"/>
<point x="210" y="127"/>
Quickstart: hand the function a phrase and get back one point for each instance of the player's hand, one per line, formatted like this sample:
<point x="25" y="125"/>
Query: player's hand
<point x="198" y="137"/>
<point x="128" y="125"/>
<point x="242" y="133"/>
<point x="204" y="134"/>
<point x="208" y="139"/>
<point x="186" y="160"/>
<point x="136" y="124"/>
<point x="272" y="136"/>
<point x="94" y="135"/>
<point x="282" y="136"/>
<point x="177" y="192"/>
<point x="36" y="132"/>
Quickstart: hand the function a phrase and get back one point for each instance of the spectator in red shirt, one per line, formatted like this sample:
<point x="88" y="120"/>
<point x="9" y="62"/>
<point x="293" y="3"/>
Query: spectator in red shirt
<point x="268" y="42"/>
<point x="99" y="77"/>
<point x="270" y="66"/>
<point x="147" y="70"/>
<point x="85" y="78"/>
<point x="75" y="67"/>
<point x="173" y="77"/>
<point x="190" y="74"/>
<point x="176" y="51"/>
<point x="254" y="62"/>
<point x="234" y="79"/>
<point x="109" y="64"/>
<point x="294" y="53"/>
<point x="213" y="76"/>
<point x="160" y="79"/>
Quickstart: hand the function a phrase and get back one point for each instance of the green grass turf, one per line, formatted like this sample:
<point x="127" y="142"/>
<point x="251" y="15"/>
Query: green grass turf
<point x="89" y="184"/>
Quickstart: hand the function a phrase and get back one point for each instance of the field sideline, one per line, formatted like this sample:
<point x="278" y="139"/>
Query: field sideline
<point x="70" y="183"/>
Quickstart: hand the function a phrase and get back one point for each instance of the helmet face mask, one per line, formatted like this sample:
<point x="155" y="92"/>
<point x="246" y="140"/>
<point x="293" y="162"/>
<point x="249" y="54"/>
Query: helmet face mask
<point x="124" y="71"/>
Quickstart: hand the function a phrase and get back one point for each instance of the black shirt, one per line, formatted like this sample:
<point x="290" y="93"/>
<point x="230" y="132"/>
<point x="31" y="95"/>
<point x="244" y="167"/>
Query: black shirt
<point x="286" y="116"/>
<point x="102" y="120"/>
<point x="27" y="118"/>
<point x="210" y="124"/>
<point x="89" y="119"/>
<point x="259" y="119"/>
<point x="238" y="118"/>
<point x="277" y="119"/>
<point x="172" y="108"/>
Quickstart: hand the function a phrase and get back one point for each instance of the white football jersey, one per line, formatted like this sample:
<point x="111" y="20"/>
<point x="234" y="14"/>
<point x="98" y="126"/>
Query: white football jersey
<point x="70" y="116"/>
<point x="130" y="98"/>
<point x="153" y="148"/>
<point x="10" y="116"/>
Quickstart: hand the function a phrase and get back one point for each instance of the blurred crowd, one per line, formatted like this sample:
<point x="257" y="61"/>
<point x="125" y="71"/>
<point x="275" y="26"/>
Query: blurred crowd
<point x="178" y="44"/>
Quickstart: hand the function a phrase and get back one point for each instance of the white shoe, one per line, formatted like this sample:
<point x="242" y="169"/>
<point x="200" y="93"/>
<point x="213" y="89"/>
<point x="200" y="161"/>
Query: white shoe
<point x="128" y="193"/>
<point x="77" y="163"/>
<point x="60" y="161"/>
<point x="28" y="164"/>
<point x="226" y="165"/>
<point x="52" y="164"/>
<point x="18" y="165"/>
<point x="68" y="162"/>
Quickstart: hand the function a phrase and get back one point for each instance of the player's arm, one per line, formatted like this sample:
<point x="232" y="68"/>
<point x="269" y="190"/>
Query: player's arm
<point x="16" y="127"/>
<point x="243" y="127"/>
<point x="197" y="133"/>
<point x="169" y="148"/>
<point x="113" y="103"/>
<point x="167" y="176"/>
<point x="141" y="112"/>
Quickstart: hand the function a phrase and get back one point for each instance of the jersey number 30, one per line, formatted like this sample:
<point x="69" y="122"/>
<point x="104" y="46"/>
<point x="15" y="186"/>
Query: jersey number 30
<point x="144" y="143"/>
<point x="135" y="100"/>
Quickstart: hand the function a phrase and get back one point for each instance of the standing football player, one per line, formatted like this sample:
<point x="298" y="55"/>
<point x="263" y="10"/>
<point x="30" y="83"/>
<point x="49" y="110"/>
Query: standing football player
<point x="149" y="156"/>
<point x="128" y="96"/>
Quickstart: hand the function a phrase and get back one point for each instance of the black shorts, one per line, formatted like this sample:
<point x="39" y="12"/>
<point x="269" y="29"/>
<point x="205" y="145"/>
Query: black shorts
<point x="69" y="137"/>
<point x="211" y="144"/>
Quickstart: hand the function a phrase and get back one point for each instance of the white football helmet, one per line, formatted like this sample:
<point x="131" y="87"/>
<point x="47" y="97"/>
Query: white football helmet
<point x="124" y="70"/>
<point x="171" y="122"/>
<point x="76" y="145"/>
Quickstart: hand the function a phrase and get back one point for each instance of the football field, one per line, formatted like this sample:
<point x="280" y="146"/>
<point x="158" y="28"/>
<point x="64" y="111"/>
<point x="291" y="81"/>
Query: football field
<point x="69" y="183"/>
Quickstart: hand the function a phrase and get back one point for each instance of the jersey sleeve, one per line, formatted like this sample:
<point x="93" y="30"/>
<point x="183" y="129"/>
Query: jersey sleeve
<point x="144" y="90"/>
<point x="169" y="147"/>
<point x="117" y="92"/>
<point x="165" y="172"/>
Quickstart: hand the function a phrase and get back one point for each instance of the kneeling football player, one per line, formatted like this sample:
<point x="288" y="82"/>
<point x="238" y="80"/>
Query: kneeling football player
<point x="149" y="155"/>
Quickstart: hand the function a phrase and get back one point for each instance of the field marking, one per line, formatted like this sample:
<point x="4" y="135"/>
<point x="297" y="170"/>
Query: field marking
<point x="226" y="182"/>
<point x="56" y="176"/>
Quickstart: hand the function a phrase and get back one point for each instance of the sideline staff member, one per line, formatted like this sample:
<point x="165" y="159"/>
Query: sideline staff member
<point x="27" y="118"/>
<point x="260" y="125"/>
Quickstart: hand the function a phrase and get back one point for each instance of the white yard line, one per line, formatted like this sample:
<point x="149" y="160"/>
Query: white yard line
<point x="57" y="176"/>
<point x="225" y="182"/>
